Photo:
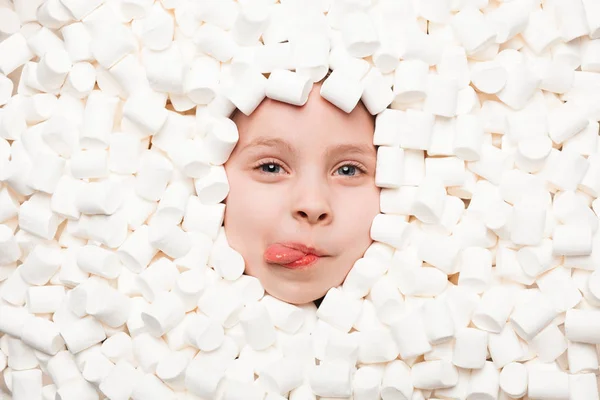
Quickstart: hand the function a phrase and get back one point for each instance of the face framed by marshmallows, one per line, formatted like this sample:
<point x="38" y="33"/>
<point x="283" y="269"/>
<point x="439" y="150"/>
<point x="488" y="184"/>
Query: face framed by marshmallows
<point x="301" y="176"/>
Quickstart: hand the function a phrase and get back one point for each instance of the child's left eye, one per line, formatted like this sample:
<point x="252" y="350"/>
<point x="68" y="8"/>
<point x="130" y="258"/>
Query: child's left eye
<point x="273" y="166"/>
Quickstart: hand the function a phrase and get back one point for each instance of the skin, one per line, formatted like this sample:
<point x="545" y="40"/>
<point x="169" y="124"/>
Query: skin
<point x="302" y="196"/>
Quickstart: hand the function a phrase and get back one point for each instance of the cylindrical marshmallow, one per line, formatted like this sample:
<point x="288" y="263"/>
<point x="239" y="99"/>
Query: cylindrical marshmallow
<point x="437" y="374"/>
<point x="390" y="229"/>
<point x="332" y="378"/>
<point x="545" y="383"/>
<point x="99" y="261"/>
<point x="42" y="335"/>
<point x="410" y="334"/>
<point x="389" y="171"/>
<point x="165" y="312"/>
<point x="573" y="239"/>
<point x="395" y="381"/>
<point x="377" y="94"/>
<point x="82" y="334"/>
<point x="26" y="384"/>
<point x="342" y="91"/>
<point x="470" y="348"/>
<point x="108" y="305"/>
<point x="204" y="333"/>
<point x="583" y="326"/>
<point x="531" y="317"/>
<point x="282" y="376"/>
<point x="287" y="317"/>
<point x="288" y="87"/>
<point x="41" y="264"/>
<point x="44" y="299"/>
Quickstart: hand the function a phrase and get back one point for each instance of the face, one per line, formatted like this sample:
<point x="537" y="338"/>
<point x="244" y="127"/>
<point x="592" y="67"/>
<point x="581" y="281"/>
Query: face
<point x="307" y="175"/>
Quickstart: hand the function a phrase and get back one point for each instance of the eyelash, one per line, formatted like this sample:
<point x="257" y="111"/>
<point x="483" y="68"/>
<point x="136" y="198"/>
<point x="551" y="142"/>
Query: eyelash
<point x="350" y="163"/>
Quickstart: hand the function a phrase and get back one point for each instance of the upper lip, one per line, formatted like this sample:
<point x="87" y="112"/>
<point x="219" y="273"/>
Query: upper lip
<point x="305" y="249"/>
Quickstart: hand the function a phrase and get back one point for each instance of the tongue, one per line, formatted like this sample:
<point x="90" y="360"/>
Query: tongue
<point x="280" y="254"/>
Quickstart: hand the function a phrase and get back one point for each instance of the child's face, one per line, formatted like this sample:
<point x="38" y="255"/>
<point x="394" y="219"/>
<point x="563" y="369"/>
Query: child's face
<point x="302" y="194"/>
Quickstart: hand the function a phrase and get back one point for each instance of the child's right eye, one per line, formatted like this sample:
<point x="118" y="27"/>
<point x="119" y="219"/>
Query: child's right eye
<point x="271" y="167"/>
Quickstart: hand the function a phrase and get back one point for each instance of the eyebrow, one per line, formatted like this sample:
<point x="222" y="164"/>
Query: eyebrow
<point x="360" y="149"/>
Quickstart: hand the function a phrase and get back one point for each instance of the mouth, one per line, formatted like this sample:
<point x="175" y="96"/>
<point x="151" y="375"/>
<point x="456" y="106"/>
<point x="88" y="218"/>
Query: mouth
<point x="293" y="255"/>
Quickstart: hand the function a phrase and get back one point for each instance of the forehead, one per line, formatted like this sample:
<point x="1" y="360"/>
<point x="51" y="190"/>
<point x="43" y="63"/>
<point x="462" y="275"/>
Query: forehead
<point x="318" y="120"/>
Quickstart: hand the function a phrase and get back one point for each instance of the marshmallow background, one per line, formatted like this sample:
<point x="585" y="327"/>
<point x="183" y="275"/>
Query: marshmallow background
<point x="116" y="279"/>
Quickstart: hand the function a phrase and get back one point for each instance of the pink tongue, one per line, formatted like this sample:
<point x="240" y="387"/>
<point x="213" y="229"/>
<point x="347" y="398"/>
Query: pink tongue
<point x="280" y="254"/>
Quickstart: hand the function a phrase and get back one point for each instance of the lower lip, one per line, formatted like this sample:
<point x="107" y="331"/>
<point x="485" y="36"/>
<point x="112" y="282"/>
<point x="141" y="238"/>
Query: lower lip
<point x="306" y="261"/>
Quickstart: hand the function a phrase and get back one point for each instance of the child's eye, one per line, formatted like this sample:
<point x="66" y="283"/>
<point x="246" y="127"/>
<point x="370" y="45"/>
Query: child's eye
<point x="348" y="169"/>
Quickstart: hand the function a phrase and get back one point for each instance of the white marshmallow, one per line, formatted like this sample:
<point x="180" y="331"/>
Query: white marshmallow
<point x="493" y="310"/>
<point x="342" y="91"/>
<point x="436" y="374"/>
<point x="148" y="350"/>
<point x="430" y="200"/>
<point x="395" y="380"/>
<point x="531" y="317"/>
<point x="81" y="80"/>
<point x="332" y="378"/>
<point x="339" y="309"/>
<point x="26" y="384"/>
<point x="484" y="381"/>
<point x="202" y="378"/>
<point x="14" y="52"/>
<point x="13" y="319"/>
<point x="446" y="252"/>
<point x="488" y="76"/>
<point x="416" y="129"/>
<point x="153" y="175"/>
<point x="214" y="187"/>
<point x="289" y="87"/>
<point x="108" y="306"/>
<point x="286" y="317"/>
<point x="438" y="322"/>
<point x="544" y="383"/>
<point x="42" y="335"/>
<point x="472" y="30"/>
<point x="146" y="111"/>
<point x="582" y="325"/>
<point x="160" y="276"/>
<point x="376" y="345"/>
<point x="387" y="300"/>
<point x="251" y="21"/>
<point x="99" y="261"/>
<point x="411" y="81"/>
<point x="215" y="41"/>
<point x="591" y="12"/>
<point x="470" y="348"/>
<point x="203" y="333"/>
<point x="137" y="252"/>
<point x="165" y="312"/>
<point x="82" y="334"/>
<point x="410" y="334"/>
<point x="100" y="198"/>
<point x="310" y="54"/>
<point x="152" y="388"/>
<point x="44" y="299"/>
<point x="111" y="42"/>
<point x="53" y="68"/>
<point x="442" y="95"/>
<point x="41" y="264"/>
<point x="201" y="80"/>
<point x="549" y="344"/>
<point x="248" y="95"/>
<point x="220" y="140"/>
<point x="388" y="170"/>
<point x="505" y="347"/>
<point x="36" y="216"/>
<point x="362" y="276"/>
<point x="77" y="41"/>
<point x="583" y="386"/>
<point x="541" y="32"/>
<point x="528" y="219"/>
<point x="359" y="34"/>
<point x="582" y="357"/>
<point x="390" y="229"/>
<point x="560" y="288"/>
<point x="98" y="120"/>
<point x="88" y="164"/>
<point x="121" y="381"/>
<point x="377" y="94"/>
<point x="476" y="269"/>
<point x="386" y="128"/>
<point x="96" y="369"/>
<point x="222" y="303"/>
<point x="9" y="249"/>
<point x="171" y="370"/>
<point x="572" y="239"/>
<point x="62" y="368"/>
<point x="513" y="380"/>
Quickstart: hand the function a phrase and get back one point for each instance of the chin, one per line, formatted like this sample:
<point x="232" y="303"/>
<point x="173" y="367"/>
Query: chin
<point x="296" y="299"/>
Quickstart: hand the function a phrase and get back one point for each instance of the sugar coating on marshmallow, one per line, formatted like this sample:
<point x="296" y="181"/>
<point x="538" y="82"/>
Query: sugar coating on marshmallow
<point x="116" y="277"/>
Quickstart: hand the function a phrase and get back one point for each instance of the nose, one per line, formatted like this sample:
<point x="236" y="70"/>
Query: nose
<point x="312" y="205"/>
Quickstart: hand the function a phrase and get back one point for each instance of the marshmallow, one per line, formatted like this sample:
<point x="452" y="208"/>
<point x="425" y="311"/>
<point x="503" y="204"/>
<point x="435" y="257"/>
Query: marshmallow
<point x="202" y="378"/>
<point x="549" y="344"/>
<point x="582" y="357"/>
<point x="484" y="381"/>
<point x="44" y="299"/>
<point x="493" y="310"/>
<point x="248" y="95"/>
<point x="582" y="325"/>
<point x="388" y="170"/>
<point x="545" y="383"/>
<point x="470" y="348"/>
<point x="137" y="252"/>
<point x="201" y="80"/>
<point x="148" y="350"/>
<point x="436" y="374"/>
<point x="430" y="200"/>
<point x="36" y="217"/>
<point x="166" y="311"/>
<point x="98" y="120"/>
<point x="411" y="81"/>
<point x="505" y="347"/>
<point x="14" y="52"/>
<point x="445" y="255"/>
<point x="153" y="175"/>
<point x="214" y="186"/>
<point x="396" y="380"/>
<point x="416" y="129"/>
<point x="541" y="32"/>
<point x="572" y="240"/>
<point x="376" y="345"/>
<point x="42" y="335"/>
<point x="342" y="91"/>
<point x="377" y="94"/>
<point x="528" y="219"/>
<point x="390" y="229"/>
<point x="442" y="94"/>
<point x="171" y="370"/>
<point x="9" y="249"/>
<point x="108" y="306"/>
<point x="222" y="303"/>
<point x="513" y="380"/>
<point x="339" y="309"/>
<point x="410" y="334"/>
<point x="288" y="87"/>
<point x="121" y="381"/>
<point x="560" y="288"/>
<point x="96" y="369"/>
<point x="41" y="264"/>
<point x="531" y="317"/>
<point x="387" y="300"/>
<point x="117" y="347"/>
<point x="472" y="30"/>
<point x="282" y="376"/>
<point x="386" y="128"/>
<point x="82" y="334"/>
<point x="99" y="261"/>
<point x="362" y="276"/>
<point x="77" y="40"/>
<point x="332" y="378"/>
<point x="152" y="388"/>
<point x="26" y="384"/>
<point x="583" y="386"/>
<point x="286" y="317"/>
<point x="203" y="333"/>
<point x="438" y="322"/>
<point x="160" y="276"/>
<point x="62" y="368"/>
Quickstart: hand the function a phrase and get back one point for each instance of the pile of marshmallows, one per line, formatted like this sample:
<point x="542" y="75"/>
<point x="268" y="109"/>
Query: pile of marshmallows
<point x="116" y="277"/>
